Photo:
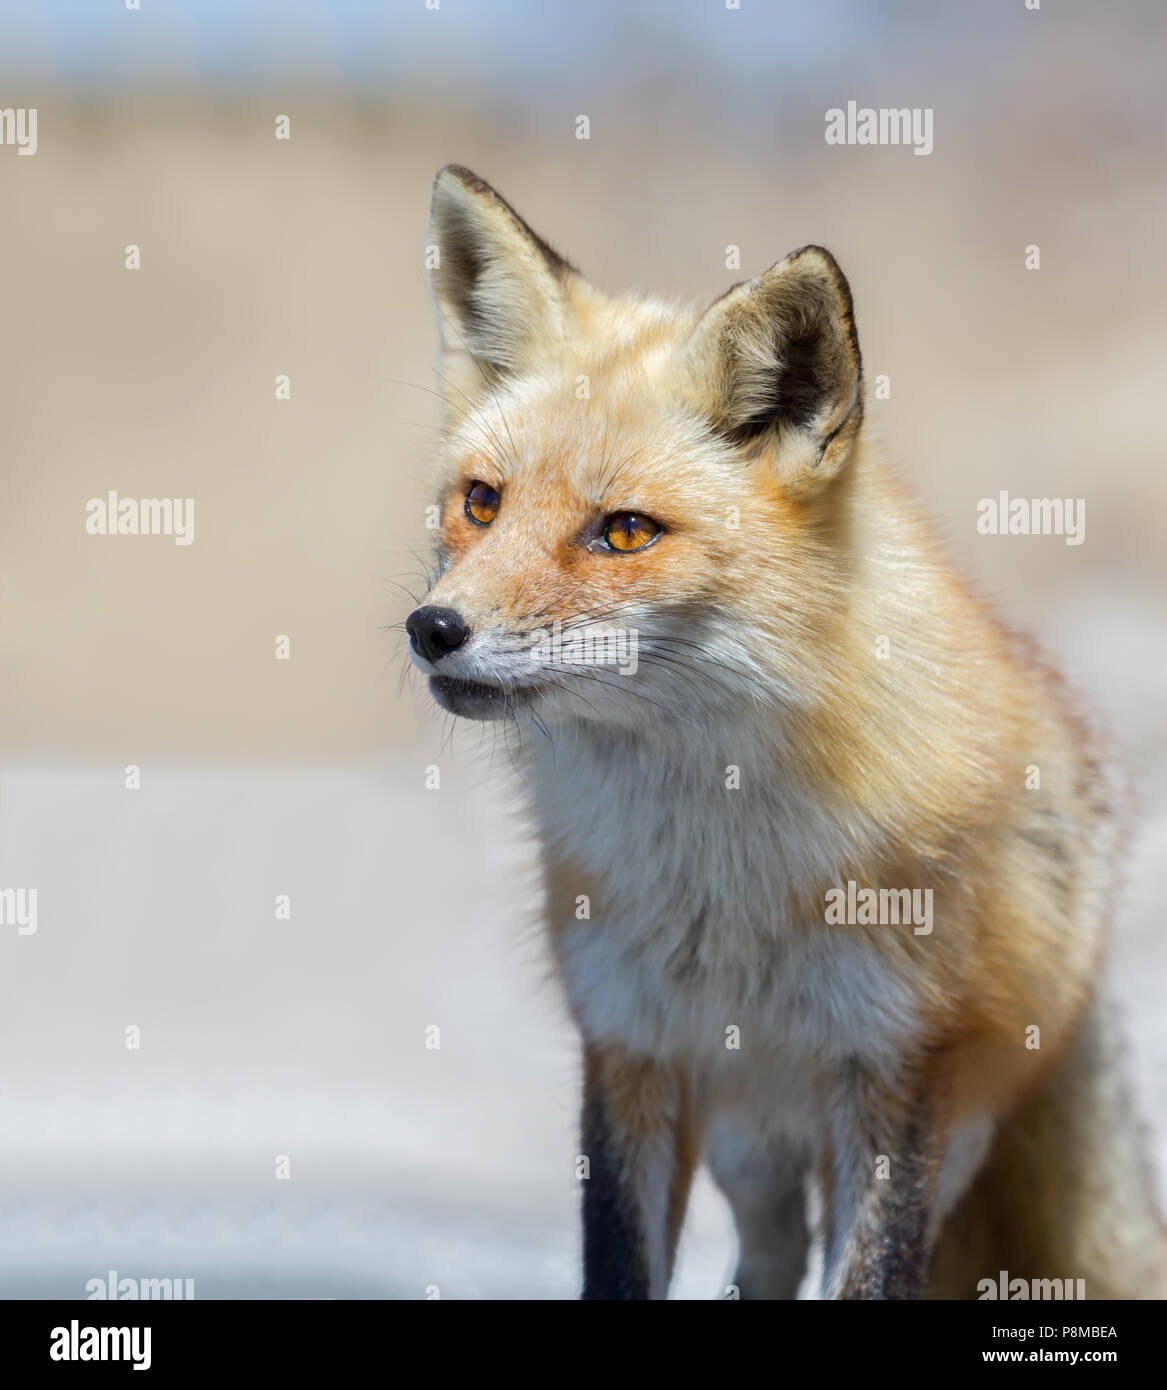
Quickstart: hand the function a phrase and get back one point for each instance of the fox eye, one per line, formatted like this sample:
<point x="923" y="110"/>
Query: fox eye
<point x="630" y="531"/>
<point x="482" y="504"/>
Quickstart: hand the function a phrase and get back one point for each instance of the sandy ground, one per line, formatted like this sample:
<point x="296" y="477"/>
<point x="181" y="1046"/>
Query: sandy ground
<point x="410" y="1167"/>
<point x="307" y="1038"/>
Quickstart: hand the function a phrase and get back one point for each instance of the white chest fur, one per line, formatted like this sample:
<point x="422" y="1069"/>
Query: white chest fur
<point x="689" y="954"/>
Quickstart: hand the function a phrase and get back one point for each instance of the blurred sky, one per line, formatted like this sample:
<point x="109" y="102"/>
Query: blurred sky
<point x="743" y="70"/>
<point x="224" y="41"/>
<point x="764" y="46"/>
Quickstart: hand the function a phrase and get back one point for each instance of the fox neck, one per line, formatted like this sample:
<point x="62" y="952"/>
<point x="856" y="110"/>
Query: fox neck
<point x="906" y="660"/>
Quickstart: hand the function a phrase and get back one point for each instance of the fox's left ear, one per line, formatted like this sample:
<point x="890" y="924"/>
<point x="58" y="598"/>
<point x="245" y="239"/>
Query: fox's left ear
<point x="775" y="362"/>
<point x="499" y="288"/>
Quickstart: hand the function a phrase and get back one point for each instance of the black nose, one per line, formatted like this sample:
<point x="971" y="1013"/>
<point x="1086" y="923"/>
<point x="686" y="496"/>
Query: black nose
<point x="435" y="632"/>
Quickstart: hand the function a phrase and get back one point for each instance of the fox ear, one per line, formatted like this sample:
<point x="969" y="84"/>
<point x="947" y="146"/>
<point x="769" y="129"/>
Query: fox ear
<point x="775" y="362"/>
<point x="499" y="288"/>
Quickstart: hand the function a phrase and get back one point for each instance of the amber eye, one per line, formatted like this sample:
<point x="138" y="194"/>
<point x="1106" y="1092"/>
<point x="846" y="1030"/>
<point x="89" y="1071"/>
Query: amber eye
<point x="630" y="531"/>
<point x="481" y="504"/>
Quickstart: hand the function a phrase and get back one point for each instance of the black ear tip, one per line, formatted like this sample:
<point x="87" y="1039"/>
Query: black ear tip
<point x="446" y="202"/>
<point x="820" y="259"/>
<point x="459" y="172"/>
<point x="466" y="177"/>
<point x="818" y="255"/>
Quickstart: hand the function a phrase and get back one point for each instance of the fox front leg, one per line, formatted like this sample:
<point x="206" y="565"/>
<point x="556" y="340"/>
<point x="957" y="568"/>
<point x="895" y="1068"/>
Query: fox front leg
<point x="878" y="1178"/>
<point x="639" y="1137"/>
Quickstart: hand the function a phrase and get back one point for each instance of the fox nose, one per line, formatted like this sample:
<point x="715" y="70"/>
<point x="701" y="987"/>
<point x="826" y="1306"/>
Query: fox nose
<point x="435" y="632"/>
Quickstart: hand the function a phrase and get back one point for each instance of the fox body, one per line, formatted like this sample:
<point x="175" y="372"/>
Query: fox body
<point x="819" y="703"/>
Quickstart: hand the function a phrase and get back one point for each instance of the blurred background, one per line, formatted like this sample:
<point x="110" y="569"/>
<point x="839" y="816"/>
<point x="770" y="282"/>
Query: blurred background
<point x="305" y="1037"/>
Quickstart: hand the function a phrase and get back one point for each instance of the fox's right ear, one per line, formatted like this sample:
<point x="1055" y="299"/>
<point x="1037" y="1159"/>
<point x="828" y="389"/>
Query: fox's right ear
<point x="499" y="288"/>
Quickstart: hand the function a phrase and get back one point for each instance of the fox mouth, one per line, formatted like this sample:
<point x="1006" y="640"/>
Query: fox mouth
<point x="478" y="700"/>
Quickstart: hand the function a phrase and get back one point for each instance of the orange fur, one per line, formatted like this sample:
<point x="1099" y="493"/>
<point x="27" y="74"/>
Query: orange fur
<point x="788" y="555"/>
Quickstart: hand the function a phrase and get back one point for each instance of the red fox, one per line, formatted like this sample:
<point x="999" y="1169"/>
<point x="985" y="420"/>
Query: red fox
<point x="829" y="863"/>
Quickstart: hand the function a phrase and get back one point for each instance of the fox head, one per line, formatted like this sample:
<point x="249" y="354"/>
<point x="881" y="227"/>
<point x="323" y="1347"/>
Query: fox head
<point x="638" y="503"/>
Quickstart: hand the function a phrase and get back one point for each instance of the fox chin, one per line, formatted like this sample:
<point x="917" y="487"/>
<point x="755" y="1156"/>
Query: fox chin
<point x="769" y="722"/>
